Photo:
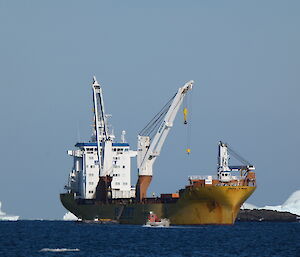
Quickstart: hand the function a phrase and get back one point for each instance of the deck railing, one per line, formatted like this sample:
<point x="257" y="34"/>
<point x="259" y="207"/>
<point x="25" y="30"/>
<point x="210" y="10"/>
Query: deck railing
<point x="235" y="180"/>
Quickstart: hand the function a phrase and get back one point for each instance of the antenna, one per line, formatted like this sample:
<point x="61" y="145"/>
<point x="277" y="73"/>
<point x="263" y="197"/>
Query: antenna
<point x="123" y="140"/>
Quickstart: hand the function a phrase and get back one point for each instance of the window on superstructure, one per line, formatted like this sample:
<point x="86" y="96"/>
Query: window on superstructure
<point x="123" y="166"/>
<point x="91" y="192"/>
<point x="89" y="150"/>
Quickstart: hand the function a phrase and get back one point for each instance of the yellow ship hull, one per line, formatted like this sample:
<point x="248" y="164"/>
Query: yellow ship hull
<point x="195" y="206"/>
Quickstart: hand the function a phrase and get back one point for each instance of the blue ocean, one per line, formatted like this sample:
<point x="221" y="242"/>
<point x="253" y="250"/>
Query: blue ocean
<point x="61" y="238"/>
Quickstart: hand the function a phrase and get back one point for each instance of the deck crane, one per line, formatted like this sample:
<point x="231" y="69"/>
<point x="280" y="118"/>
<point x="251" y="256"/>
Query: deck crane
<point x="104" y="144"/>
<point x="150" y="144"/>
<point x="224" y="170"/>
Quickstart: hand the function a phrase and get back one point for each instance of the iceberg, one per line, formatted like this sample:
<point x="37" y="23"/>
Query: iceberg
<point x="248" y="206"/>
<point x="5" y="217"/>
<point x="69" y="216"/>
<point x="292" y="205"/>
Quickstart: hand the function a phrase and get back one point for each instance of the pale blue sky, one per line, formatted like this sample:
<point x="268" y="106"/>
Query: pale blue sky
<point x="243" y="55"/>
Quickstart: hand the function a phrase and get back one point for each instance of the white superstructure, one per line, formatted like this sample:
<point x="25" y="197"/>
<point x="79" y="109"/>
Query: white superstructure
<point x="114" y="161"/>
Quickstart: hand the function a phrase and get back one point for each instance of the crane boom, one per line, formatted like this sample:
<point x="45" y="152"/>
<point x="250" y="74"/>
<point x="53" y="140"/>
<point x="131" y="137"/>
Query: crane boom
<point x="104" y="145"/>
<point x="102" y="135"/>
<point x="149" y="149"/>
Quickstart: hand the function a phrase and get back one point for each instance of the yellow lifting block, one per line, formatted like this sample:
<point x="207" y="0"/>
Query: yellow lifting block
<point x="185" y="113"/>
<point x="188" y="150"/>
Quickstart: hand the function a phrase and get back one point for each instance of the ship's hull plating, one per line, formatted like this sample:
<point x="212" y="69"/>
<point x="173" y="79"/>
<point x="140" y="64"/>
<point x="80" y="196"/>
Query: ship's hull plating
<point x="196" y="206"/>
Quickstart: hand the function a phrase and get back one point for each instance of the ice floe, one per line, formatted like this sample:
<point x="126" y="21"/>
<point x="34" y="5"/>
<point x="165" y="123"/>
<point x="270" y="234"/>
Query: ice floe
<point x="5" y="217"/>
<point x="69" y="216"/>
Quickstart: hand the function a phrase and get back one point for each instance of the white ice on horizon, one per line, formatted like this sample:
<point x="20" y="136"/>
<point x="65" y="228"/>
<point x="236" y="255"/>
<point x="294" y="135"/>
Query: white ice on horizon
<point x="1" y="213"/>
<point x="5" y="217"/>
<point x="69" y="216"/>
<point x="292" y="205"/>
<point x="249" y="206"/>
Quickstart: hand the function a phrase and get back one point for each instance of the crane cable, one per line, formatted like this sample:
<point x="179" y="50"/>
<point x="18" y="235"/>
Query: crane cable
<point x="151" y="128"/>
<point x="238" y="156"/>
<point x="187" y="122"/>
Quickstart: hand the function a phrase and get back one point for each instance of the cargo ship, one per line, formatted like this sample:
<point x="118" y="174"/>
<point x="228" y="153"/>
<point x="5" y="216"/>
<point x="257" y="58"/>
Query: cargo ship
<point x="99" y="184"/>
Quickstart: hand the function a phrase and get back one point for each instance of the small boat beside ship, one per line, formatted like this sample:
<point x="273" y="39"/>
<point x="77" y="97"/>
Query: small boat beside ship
<point x="154" y="221"/>
<point x="99" y="184"/>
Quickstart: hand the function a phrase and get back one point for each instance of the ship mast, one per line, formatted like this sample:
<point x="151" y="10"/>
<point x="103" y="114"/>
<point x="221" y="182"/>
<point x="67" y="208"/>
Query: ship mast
<point x="224" y="170"/>
<point x="150" y="145"/>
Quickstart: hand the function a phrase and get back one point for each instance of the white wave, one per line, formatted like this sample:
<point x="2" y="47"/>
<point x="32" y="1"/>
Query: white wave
<point x="59" y="250"/>
<point x="292" y="205"/>
<point x="5" y="217"/>
<point x="69" y="216"/>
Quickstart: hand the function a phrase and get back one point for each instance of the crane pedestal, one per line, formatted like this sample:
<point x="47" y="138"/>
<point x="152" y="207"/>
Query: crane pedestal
<point x="103" y="189"/>
<point x="142" y="186"/>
